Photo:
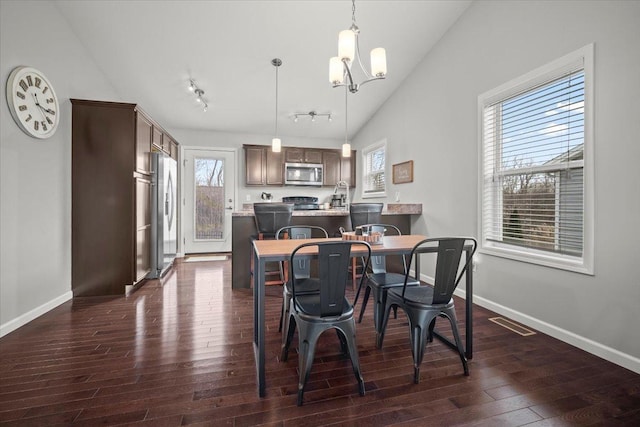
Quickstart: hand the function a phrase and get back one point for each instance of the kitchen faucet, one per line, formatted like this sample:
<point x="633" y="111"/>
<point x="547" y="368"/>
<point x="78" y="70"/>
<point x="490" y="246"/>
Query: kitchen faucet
<point x="343" y="185"/>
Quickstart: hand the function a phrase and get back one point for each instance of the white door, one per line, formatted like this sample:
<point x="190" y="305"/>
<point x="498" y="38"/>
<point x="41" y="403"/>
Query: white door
<point x="209" y="182"/>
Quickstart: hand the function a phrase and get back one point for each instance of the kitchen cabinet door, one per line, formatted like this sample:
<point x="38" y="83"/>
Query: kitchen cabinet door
<point x="348" y="169"/>
<point x="275" y="168"/>
<point x="255" y="163"/>
<point x="332" y="165"/>
<point x="313" y="156"/>
<point x="143" y="228"/>
<point x="144" y="130"/>
<point x="157" y="138"/>
<point x="294" y="155"/>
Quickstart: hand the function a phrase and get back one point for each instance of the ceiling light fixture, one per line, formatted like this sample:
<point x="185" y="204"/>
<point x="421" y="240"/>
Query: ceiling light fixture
<point x="341" y="66"/>
<point x="311" y="114"/>
<point x="199" y="94"/>
<point x="276" y="144"/>
<point x="346" y="147"/>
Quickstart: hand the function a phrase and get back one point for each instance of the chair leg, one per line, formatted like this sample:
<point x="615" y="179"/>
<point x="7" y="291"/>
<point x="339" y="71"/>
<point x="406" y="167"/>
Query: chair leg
<point x="307" y="338"/>
<point x="354" y="273"/>
<point x="418" y="330"/>
<point x="284" y="354"/>
<point x="364" y="303"/>
<point x="348" y="331"/>
<point x="284" y="313"/>
<point x="456" y="335"/>
<point x="383" y="325"/>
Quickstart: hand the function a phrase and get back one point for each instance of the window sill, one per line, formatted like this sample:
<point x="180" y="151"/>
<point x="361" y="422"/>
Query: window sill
<point x="562" y="262"/>
<point x="373" y="195"/>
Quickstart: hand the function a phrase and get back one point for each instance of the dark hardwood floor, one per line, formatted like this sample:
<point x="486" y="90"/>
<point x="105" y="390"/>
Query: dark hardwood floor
<point x="179" y="352"/>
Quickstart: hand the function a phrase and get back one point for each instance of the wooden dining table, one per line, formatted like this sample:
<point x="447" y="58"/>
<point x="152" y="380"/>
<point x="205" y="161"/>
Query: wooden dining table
<point x="265" y="251"/>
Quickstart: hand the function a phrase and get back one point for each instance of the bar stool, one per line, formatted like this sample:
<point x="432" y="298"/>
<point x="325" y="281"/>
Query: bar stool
<point x="361" y="214"/>
<point x="271" y="217"/>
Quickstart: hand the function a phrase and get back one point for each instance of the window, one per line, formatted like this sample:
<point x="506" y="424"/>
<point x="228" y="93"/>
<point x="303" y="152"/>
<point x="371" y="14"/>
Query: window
<point x="373" y="159"/>
<point x="536" y="185"/>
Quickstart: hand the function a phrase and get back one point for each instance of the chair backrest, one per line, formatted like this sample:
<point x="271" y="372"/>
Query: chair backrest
<point x="271" y="217"/>
<point x="378" y="263"/>
<point x="365" y="213"/>
<point x="448" y="272"/>
<point x="333" y="261"/>
<point x="302" y="266"/>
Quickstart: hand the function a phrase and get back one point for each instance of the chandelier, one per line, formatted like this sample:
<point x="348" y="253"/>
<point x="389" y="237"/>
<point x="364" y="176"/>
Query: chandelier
<point x="341" y="67"/>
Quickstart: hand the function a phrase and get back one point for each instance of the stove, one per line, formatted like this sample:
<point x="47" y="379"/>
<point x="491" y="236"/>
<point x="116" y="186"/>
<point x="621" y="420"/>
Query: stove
<point x="302" y="203"/>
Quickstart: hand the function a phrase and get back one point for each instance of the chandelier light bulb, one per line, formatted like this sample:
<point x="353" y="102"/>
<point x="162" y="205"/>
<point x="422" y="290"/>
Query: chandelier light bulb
<point x="378" y="62"/>
<point x="336" y="71"/>
<point x="347" y="45"/>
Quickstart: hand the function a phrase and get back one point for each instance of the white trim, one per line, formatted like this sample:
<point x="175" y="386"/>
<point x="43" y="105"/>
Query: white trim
<point x="555" y="69"/>
<point x="27" y="317"/>
<point x="611" y="354"/>
<point x="382" y="143"/>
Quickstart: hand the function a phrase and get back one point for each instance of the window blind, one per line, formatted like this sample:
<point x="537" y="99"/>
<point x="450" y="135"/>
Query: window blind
<point x="533" y="145"/>
<point x="374" y="180"/>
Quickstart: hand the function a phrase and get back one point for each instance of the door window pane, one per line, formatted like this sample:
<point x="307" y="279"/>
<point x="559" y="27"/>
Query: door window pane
<point x="209" y="195"/>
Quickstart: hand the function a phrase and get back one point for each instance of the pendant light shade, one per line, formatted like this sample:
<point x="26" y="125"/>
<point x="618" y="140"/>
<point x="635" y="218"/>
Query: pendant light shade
<point x="276" y="145"/>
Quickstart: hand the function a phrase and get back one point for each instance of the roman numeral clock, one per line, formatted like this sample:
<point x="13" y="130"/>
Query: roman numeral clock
<point x="32" y="102"/>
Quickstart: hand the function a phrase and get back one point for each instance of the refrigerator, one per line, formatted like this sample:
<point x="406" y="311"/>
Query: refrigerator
<point x="164" y="236"/>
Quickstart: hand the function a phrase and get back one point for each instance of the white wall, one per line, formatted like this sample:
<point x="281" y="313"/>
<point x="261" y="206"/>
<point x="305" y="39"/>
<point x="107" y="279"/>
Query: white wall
<point x="35" y="175"/>
<point x="432" y="119"/>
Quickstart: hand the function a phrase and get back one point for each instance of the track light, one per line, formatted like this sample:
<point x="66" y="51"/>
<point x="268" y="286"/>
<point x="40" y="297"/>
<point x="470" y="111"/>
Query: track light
<point x="200" y="99"/>
<point x="311" y="114"/>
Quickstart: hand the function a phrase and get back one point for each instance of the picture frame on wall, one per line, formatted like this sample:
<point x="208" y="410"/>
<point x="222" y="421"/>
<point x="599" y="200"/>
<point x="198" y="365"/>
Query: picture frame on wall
<point x="403" y="172"/>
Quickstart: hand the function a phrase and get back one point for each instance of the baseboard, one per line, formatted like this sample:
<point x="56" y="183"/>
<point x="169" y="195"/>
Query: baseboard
<point x="22" y="320"/>
<point x="612" y="355"/>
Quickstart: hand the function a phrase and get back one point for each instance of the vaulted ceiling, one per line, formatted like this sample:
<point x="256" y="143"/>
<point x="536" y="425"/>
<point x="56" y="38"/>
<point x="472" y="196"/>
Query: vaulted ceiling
<point x="148" y="51"/>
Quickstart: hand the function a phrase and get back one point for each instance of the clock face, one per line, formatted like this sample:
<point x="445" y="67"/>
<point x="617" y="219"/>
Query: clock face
<point x="32" y="102"/>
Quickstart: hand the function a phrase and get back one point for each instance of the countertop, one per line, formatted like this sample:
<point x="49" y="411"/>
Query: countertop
<point x="390" y="209"/>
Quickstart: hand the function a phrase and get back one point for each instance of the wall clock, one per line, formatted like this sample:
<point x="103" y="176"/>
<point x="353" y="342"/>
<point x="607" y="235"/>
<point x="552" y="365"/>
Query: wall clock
<point x="32" y="102"/>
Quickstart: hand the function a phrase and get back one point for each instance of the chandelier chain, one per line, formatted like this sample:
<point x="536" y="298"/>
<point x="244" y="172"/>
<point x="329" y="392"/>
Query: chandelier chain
<point x="353" y="11"/>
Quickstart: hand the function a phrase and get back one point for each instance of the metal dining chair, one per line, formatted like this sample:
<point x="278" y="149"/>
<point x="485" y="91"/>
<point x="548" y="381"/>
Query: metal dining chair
<point x="269" y="218"/>
<point x="316" y="313"/>
<point x="424" y="304"/>
<point x="360" y="214"/>
<point x="378" y="280"/>
<point x="302" y="267"/>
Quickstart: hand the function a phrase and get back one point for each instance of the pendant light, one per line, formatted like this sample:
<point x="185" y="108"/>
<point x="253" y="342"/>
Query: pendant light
<point x="276" y="144"/>
<point x="346" y="147"/>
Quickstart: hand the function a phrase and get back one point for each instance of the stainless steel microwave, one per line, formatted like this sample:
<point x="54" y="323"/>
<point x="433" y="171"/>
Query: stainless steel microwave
<point x="303" y="174"/>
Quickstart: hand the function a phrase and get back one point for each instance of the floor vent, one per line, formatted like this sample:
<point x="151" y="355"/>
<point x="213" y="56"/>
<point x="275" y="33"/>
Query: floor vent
<point x="512" y="326"/>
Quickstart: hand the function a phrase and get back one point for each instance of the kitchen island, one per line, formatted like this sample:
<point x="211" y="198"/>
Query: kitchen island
<point x="244" y="227"/>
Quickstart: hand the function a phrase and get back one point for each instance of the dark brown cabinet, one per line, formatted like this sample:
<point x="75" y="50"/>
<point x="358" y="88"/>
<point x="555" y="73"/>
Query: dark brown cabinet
<point x="348" y="169"/>
<point x="303" y="155"/>
<point x="264" y="167"/>
<point x="331" y="162"/>
<point x="111" y="195"/>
